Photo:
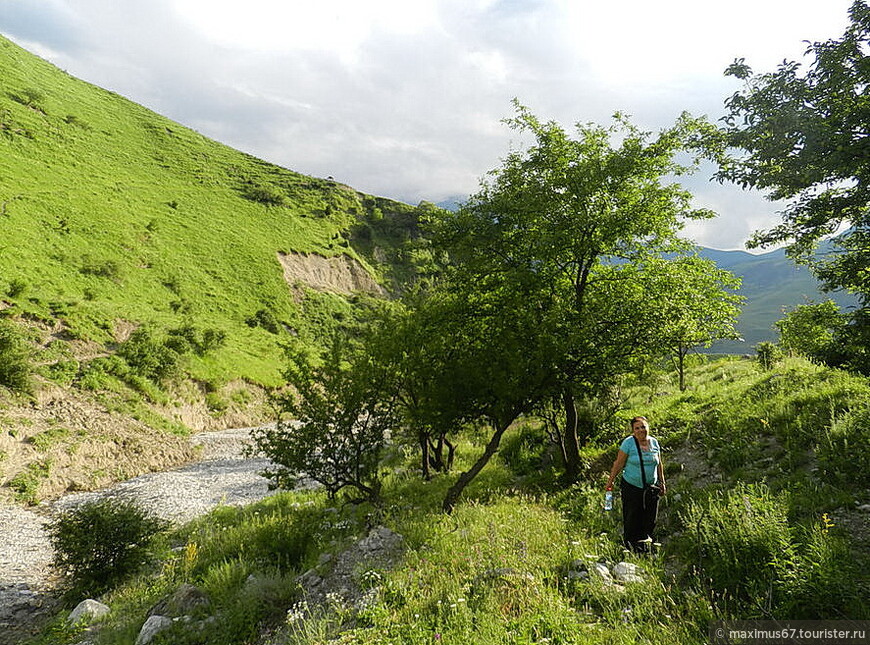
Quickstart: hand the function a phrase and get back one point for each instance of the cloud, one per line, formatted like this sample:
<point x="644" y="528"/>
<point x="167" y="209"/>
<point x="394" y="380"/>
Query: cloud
<point x="405" y="99"/>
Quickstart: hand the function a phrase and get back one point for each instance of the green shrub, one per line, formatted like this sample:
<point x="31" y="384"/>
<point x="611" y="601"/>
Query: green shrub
<point x="14" y="359"/>
<point x="268" y="195"/>
<point x="265" y="319"/>
<point x="16" y="287"/>
<point x="768" y="354"/>
<point x="148" y="357"/>
<point x="44" y="440"/>
<point x="189" y="338"/>
<point x="100" y="543"/>
<point x="63" y="372"/>
<point x="104" y="269"/>
<point x="30" y="97"/>
<point x="102" y="373"/>
<point x="26" y="484"/>
<point x="216" y="404"/>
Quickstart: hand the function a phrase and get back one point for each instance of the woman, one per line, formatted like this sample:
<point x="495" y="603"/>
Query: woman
<point x="639" y="503"/>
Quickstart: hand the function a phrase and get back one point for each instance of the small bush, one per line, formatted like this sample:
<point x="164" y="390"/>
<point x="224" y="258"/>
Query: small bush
<point x="26" y="484"/>
<point x="100" y="543"/>
<point x="16" y="288"/>
<point x="268" y="195"/>
<point x="265" y="319"/>
<point x="63" y="372"/>
<point x="44" y="440"/>
<point x="15" y="366"/>
<point x="189" y="338"/>
<point x="148" y="357"/>
<point x="72" y="119"/>
<point x="30" y="97"/>
<point x="104" y="269"/>
<point x="102" y="373"/>
<point x="768" y="354"/>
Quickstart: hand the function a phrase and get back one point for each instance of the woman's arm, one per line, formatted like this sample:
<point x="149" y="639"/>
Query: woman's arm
<point x="618" y="465"/>
<point x="660" y="471"/>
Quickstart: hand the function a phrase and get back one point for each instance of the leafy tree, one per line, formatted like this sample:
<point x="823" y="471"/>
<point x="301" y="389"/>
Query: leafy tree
<point x="415" y="342"/>
<point x="700" y="306"/>
<point x="805" y="133"/>
<point x="575" y="229"/>
<point x="333" y="423"/>
<point x="808" y="330"/>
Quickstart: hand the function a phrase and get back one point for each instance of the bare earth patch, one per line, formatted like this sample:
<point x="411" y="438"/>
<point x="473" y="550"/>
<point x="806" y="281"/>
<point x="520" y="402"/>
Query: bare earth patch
<point x="339" y="274"/>
<point x="63" y="441"/>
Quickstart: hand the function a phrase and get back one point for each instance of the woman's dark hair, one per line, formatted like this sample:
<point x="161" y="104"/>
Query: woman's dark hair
<point x="635" y="419"/>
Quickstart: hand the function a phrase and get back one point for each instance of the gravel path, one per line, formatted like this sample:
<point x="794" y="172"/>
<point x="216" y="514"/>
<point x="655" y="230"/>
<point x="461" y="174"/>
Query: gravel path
<point x="223" y="475"/>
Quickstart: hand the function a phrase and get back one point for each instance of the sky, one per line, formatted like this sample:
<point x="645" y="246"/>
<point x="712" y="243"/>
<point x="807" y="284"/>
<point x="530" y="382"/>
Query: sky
<point x="406" y="98"/>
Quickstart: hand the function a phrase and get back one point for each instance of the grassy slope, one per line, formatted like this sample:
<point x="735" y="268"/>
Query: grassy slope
<point x="110" y="212"/>
<point x="113" y="217"/>
<point x="499" y="569"/>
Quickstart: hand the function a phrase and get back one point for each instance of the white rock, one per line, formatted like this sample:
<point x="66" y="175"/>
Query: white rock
<point x="627" y="572"/>
<point x="151" y="628"/>
<point x="87" y="611"/>
<point x="600" y="569"/>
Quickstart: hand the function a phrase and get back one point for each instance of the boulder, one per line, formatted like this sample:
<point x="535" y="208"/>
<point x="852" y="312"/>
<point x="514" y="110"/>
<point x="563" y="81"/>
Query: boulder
<point x="627" y="572"/>
<point x="182" y="602"/>
<point x="87" y="612"/>
<point x="600" y="570"/>
<point x="153" y="626"/>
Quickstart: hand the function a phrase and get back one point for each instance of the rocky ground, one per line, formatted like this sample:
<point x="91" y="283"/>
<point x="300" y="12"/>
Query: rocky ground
<point x="221" y="475"/>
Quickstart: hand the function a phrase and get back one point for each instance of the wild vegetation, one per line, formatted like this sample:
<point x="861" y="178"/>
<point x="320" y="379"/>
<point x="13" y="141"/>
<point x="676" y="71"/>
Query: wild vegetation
<point x="766" y="528"/>
<point x="475" y="414"/>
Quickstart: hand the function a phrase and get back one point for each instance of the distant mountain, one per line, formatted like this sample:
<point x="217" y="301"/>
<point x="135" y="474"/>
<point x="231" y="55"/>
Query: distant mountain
<point x="772" y="284"/>
<point x="451" y="203"/>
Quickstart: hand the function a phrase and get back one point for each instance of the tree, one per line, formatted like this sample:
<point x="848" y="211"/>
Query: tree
<point x="805" y="137"/>
<point x="415" y="341"/>
<point x="701" y="306"/>
<point x="334" y="421"/>
<point x="577" y="228"/>
<point x="808" y="330"/>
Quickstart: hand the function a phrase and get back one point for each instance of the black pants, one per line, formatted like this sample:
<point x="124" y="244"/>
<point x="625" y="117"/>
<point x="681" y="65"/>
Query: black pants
<point x="638" y="516"/>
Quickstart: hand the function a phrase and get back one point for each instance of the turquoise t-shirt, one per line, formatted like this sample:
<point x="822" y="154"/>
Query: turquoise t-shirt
<point x="651" y="457"/>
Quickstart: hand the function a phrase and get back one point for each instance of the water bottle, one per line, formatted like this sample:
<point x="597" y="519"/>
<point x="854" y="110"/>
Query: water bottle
<point x="608" y="500"/>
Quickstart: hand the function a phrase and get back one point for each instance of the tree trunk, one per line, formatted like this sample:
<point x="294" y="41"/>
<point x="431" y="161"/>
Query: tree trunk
<point x="423" y="438"/>
<point x="465" y="478"/>
<point x="569" y="437"/>
<point x="681" y="366"/>
<point x="451" y="453"/>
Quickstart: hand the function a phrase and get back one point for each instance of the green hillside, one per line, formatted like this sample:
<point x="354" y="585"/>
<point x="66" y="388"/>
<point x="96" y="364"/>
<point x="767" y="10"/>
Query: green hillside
<point x="111" y="214"/>
<point x="772" y="284"/>
<point x="150" y="278"/>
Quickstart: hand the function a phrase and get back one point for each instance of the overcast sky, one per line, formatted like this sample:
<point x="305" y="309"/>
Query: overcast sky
<point x="405" y="98"/>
